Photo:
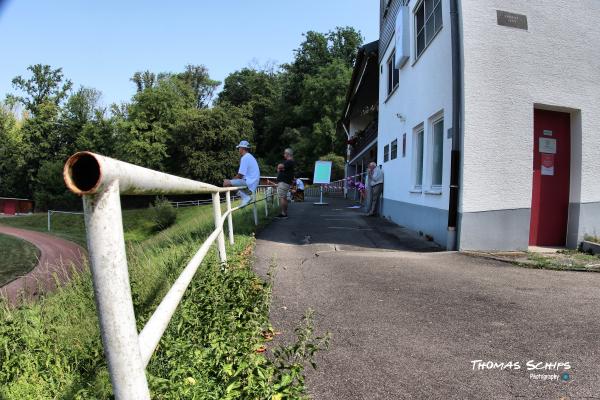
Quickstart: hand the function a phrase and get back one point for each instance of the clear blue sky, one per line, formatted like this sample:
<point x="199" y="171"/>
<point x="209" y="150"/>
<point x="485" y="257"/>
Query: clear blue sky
<point x="101" y="44"/>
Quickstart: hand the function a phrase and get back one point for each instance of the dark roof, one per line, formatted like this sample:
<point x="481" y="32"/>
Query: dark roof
<point x="364" y="53"/>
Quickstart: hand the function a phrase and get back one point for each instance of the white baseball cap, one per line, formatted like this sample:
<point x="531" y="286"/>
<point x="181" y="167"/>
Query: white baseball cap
<point x="244" y="144"/>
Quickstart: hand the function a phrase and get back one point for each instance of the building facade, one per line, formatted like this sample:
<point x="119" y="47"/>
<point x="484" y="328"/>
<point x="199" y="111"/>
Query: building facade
<point x="360" y="118"/>
<point x="528" y="112"/>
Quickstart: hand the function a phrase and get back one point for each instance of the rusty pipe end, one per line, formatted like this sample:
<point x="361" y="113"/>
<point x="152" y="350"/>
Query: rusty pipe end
<point x="82" y="173"/>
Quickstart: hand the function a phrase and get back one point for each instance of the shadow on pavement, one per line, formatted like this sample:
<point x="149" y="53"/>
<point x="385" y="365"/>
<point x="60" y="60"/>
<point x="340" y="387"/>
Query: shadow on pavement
<point x="343" y="227"/>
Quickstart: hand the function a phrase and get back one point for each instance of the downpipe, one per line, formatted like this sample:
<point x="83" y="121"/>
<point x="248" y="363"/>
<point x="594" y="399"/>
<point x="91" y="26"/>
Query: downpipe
<point x="452" y="236"/>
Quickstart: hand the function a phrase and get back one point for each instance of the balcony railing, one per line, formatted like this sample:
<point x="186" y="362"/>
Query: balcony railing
<point x="364" y="139"/>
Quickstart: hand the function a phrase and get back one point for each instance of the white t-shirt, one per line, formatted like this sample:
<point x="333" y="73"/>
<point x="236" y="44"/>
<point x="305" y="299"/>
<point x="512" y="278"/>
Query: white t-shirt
<point x="300" y="184"/>
<point x="250" y="171"/>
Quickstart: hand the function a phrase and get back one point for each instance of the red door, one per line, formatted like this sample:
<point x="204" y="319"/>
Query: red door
<point x="551" y="175"/>
<point x="10" y="207"/>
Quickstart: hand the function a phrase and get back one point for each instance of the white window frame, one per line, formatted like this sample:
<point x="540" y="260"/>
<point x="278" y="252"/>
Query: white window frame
<point x="434" y="120"/>
<point x="437" y="29"/>
<point x="390" y="74"/>
<point x="418" y="130"/>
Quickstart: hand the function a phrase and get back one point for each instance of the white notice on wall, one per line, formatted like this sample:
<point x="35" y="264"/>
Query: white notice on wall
<point x="547" y="167"/>
<point x="547" y="145"/>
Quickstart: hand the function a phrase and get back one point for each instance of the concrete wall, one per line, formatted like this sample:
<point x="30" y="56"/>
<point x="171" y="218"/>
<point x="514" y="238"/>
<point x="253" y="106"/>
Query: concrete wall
<point x="425" y="90"/>
<point x="554" y="64"/>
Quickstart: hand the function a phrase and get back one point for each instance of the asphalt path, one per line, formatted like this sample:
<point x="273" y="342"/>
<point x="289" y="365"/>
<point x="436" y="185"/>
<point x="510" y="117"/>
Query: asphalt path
<point x="57" y="259"/>
<point x="409" y="321"/>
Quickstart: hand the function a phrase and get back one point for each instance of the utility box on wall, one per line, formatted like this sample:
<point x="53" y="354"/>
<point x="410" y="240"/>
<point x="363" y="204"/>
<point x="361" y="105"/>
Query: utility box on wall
<point x="402" y="36"/>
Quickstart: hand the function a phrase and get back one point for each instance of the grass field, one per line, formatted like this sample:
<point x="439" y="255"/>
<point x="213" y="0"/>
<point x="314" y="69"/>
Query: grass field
<point x="137" y="224"/>
<point x="212" y="349"/>
<point x="18" y="258"/>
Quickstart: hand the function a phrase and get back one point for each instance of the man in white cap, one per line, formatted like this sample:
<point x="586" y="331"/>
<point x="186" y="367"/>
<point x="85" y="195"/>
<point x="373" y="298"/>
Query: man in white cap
<point x="248" y="174"/>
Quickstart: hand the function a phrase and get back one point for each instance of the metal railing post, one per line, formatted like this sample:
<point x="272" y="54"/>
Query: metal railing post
<point x="266" y="204"/>
<point x="254" y="208"/>
<point x="229" y="218"/>
<point x="110" y="276"/>
<point x="216" y="199"/>
<point x="49" y="213"/>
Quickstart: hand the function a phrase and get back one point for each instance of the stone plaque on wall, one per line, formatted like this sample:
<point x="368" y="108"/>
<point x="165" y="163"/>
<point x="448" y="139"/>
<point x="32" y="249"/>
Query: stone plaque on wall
<point x="512" y="20"/>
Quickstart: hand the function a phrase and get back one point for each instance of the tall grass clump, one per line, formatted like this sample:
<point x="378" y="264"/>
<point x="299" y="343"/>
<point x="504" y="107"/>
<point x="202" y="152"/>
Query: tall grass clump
<point x="164" y="213"/>
<point x="212" y="349"/>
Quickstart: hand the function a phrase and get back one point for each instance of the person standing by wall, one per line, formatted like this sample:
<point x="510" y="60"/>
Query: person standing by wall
<point x="375" y="182"/>
<point x="248" y="174"/>
<point x="285" y="178"/>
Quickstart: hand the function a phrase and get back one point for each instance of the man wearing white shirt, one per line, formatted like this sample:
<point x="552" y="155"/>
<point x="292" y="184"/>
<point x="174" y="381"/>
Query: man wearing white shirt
<point x="299" y="191"/>
<point x="248" y="174"/>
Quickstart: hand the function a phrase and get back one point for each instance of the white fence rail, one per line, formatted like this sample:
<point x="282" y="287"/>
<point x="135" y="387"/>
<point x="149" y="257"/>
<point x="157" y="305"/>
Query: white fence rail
<point x="101" y="181"/>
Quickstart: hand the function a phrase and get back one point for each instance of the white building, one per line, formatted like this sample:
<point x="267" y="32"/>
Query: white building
<point x="521" y="85"/>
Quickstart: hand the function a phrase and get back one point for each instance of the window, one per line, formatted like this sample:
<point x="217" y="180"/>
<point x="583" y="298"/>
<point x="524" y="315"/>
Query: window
<point x="386" y="153"/>
<point x="418" y="157"/>
<point x="393" y="73"/>
<point x="428" y="22"/>
<point x="404" y="145"/>
<point x="437" y="152"/>
<point x="394" y="152"/>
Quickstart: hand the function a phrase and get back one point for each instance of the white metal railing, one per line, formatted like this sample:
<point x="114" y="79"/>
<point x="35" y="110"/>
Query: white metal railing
<point x="50" y="212"/>
<point x="101" y="181"/>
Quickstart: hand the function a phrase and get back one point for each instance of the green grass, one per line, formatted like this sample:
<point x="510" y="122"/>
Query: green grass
<point x="137" y="224"/>
<point x="569" y="260"/>
<point x="51" y="349"/>
<point x="18" y="258"/>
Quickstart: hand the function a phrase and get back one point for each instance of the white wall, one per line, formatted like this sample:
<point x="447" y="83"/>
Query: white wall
<point x="425" y="89"/>
<point x="556" y="62"/>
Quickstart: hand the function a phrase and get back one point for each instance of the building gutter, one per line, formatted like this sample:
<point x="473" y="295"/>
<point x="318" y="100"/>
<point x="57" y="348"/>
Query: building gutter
<point x="452" y="242"/>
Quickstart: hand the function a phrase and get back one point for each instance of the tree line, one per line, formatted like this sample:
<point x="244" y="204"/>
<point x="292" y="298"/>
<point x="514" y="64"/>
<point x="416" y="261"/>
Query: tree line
<point x="175" y="123"/>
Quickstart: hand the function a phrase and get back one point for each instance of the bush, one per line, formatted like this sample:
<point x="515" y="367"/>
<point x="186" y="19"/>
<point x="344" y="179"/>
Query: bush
<point x="164" y="213"/>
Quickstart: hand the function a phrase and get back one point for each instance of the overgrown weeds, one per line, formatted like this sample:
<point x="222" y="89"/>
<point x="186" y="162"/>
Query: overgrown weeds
<point x="212" y="349"/>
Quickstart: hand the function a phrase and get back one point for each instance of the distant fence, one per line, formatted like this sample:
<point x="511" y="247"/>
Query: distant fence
<point x="101" y="181"/>
<point x="51" y="212"/>
<point x="340" y="188"/>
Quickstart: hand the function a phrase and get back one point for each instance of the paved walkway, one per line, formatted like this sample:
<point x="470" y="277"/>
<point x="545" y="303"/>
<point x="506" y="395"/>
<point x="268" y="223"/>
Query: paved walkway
<point x="407" y="321"/>
<point x="56" y="257"/>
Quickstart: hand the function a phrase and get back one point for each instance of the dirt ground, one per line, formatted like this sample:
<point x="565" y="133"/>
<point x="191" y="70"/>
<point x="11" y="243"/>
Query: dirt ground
<point x="57" y="256"/>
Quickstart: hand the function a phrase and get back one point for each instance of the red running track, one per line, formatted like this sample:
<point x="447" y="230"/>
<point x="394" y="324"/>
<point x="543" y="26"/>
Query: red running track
<point x="57" y="256"/>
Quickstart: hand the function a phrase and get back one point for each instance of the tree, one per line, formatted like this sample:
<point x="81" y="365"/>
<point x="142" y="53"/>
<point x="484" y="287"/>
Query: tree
<point x="49" y="188"/>
<point x="143" y="80"/>
<point x="261" y="92"/>
<point x="203" y="143"/>
<point x="44" y="86"/>
<point x="197" y="78"/>
<point x="13" y="181"/>
<point x="149" y="120"/>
